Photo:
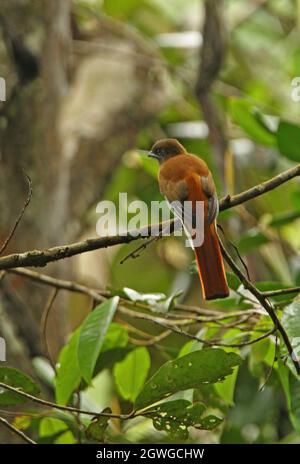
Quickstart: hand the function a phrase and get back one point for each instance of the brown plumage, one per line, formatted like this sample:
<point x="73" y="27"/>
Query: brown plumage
<point x="185" y="177"/>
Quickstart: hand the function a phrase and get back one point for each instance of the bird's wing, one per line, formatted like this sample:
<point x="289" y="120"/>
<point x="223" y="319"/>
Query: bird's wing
<point x="209" y="189"/>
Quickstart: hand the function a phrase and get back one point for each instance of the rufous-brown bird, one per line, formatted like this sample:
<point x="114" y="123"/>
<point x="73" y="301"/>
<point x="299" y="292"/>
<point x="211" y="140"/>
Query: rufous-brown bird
<point x="185" y="177"/>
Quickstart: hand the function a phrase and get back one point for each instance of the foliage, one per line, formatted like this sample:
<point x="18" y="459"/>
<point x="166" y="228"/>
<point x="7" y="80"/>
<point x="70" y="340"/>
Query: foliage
<point x="222" y="384"/>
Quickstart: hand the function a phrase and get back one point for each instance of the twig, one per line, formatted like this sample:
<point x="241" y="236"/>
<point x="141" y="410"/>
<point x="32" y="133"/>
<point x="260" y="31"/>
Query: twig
<point x="180" y="331"/>
<point x="49" y="404"/>
<point x="136" y="253"/>
<point x="99" y="295"/>
<point x="235" y="249"/>
<point x="151" y="341"/>
<point x="260" y="189"/>
<point x="265" y="303"/>
<point x="44" y="321"/>
<point x="282" y="291"/>
<point x="29" y="196"/>
<point x="16" y="431"/>
<point x="40" y="258"/>
<point x="272" y="367"/>
<point x="68" y="285"/>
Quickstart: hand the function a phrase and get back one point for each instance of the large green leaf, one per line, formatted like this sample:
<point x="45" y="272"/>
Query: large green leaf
<point x="288" y="140"/>
<point x="291" y="388"/>
<point x="16" y="379"/>
<point x="190" y="371"/>
<point x="92" y="335"/>
<point x="226" y="389"/>
<point x="291" y="323"/>
<point x="243" y="114"/>
<point x="131" y="373"/>
<point x="175" y="417"/>
<point x="295" y="402"/>
<point x="68" y="375"/>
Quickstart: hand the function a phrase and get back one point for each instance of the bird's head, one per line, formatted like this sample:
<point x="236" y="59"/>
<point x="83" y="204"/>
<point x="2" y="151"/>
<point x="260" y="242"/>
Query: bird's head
<point x="165" y="149"/>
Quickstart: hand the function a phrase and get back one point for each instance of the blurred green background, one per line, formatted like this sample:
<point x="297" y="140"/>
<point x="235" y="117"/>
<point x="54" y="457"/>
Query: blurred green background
<point x="89" y="82"/>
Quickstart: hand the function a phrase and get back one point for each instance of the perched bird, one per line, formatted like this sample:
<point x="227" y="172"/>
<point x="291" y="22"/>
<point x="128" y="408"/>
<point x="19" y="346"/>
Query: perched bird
<point x="185" y="177"/>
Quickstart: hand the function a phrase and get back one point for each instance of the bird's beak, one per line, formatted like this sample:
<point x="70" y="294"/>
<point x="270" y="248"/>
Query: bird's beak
<point x="153" y="155"/>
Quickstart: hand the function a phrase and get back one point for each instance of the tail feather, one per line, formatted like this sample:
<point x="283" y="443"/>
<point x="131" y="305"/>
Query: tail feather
<point x="211" y="267"/>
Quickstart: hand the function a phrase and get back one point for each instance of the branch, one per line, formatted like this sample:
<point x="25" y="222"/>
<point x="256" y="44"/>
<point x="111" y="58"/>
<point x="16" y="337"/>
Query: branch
<point x="18" y="432"/>
<point x="260" y="189"/>
<point x="42" y="402"/>
<point x="40" y="258"/>
<point x="282" y="291"/>
<point x="99" y="295"/>
<point x="266" y="305"/>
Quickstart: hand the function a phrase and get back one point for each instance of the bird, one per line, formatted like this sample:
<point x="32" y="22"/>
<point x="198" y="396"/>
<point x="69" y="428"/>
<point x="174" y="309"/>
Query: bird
<point x="185" y="177"/>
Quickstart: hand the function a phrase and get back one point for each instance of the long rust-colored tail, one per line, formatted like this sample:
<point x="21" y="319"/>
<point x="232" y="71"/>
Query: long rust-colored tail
<point x="210" y="266"/>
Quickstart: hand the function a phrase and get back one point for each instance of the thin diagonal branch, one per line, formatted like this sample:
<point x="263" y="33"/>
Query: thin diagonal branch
<point x="282" y="291"/>
<point x="28" y="199"/>
<point x="44" y="321"/>
<point x="16" y="431"/>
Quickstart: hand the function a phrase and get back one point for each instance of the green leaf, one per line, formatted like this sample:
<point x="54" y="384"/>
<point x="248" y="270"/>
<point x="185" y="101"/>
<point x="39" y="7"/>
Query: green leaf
<point x="22" y="422"/>
<point x="233" y="281"/>
<point x="244" y="115"/>
<point x="288" y="140"/>
<point x="291" y="388"/>
<point x="92" y="334"/>
<point x="109" y="358"/>
<point x="97" y="428"/>
<point x="16" y="379"/>
<point x="295" y="402"/>
<point x="226" y="389"/>
<point x="131" y="373"/>
<point x="52" y="430"/>
<point x="166" y="305"/>
<point x="116" y="337"/>
<point x="200" y="367"/>
<point x="174" y="417"/>
<point x="291" y="323"/>
<point x="210" y="422"/>
<point x="68" y="375"/>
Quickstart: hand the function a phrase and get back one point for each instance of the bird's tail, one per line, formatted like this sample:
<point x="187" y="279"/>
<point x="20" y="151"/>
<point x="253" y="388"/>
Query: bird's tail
<point x="210" y="266"/>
